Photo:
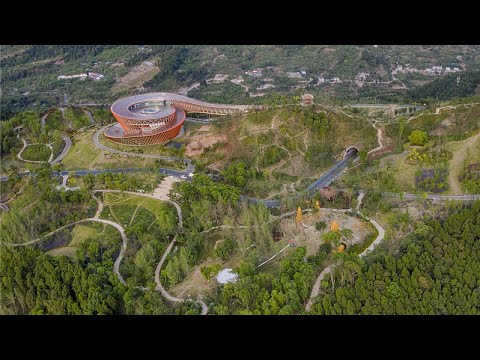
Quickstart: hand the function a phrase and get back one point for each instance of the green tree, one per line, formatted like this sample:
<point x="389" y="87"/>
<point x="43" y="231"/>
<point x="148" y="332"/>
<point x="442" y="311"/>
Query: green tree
<point x="362" y="155"/>
<point x="418" y="137"/>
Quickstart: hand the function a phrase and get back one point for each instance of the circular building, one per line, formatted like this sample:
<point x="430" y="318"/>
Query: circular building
<point x="145" y="122"/>
<point x="156" y="118"/>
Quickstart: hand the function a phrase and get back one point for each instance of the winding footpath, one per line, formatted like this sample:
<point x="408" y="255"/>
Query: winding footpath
<point x="25" y="144"/>
<point x="159" y="286"/>
<point x="328" y="269"/>
<point x="116" y="266"/>
<point x="51" y="161"/>
<point x="68" y="145"/>
<point x="121" y="230"/>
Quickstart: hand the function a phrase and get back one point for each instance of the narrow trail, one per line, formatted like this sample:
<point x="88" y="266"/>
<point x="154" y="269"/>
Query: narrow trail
<point x="42" y="122"/>
<point x="379" y="137"/>
<point x="456" y="163"/>
<point x="134" y="213"/>
<point x="161" y="195"/>
<point x="116" y="266"/>
<point x="277" y="166"/>
<point x="51" y="161"/>
<point x="381" y="235"/>
<point x="25" y="144"/>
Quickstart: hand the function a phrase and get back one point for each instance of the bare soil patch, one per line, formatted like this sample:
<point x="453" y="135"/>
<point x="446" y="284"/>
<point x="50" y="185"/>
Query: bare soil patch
<point x="198" y="143"/>
<point x="136" y="77"/>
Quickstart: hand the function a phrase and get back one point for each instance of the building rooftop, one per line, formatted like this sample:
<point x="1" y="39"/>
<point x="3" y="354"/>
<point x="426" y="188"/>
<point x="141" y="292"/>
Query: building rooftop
<point x="121" y="107"/>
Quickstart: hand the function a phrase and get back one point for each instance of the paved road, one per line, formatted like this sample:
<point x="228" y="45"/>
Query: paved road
<point x="417" y="107"/>
<point x="42" y="122"/>
<point x="326" y="179"/>
<point x="68" y="145"/>
<point x="407" y="196"/>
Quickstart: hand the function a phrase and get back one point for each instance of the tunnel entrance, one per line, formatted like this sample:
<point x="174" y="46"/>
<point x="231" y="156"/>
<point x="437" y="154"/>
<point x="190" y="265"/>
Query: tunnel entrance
<point x="351" y="151"/>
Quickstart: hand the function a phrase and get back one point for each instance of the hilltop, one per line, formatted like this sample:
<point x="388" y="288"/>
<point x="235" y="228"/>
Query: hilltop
<point x="45" y="75"/>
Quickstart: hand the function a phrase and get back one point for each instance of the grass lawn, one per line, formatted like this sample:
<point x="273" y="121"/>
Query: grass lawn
<point x="64" y="250"/>
<point x="467" y="151"/>
<point x="82" y="232"/>
<point x="130" y="203"/>
<point x="151" y="149"/>
<point x="84" y="155"/>
<point x="37" y="152"/>
<point x="404" y="173"/>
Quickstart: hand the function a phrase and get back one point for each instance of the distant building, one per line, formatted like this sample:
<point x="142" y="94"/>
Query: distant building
<point x="307" y="99"/>
<point x="321" y="79"/>
<point x="362" y="76"/>
<point x="294" y="75"/>
<point x="95" y="76"/>
<point x="255" y="72"/>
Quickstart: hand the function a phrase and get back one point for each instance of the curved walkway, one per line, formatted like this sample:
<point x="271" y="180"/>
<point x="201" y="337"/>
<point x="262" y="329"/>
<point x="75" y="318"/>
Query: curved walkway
<point x="158" y="283"/>
<point x="25" y="144"/>
<point x="121" y="230"/>
<point x="51" y="161"/>
<point x="116" y="266"/>
<point x="328" y="269"/>
<point x="68" y="145"/>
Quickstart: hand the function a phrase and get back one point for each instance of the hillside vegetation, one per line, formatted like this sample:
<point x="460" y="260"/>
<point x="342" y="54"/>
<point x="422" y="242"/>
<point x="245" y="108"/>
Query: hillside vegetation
<point x="30" y="72"/>
<point x="278" y="147"/>
<point x="436" y="272"/>
<point x="447" y="87"/>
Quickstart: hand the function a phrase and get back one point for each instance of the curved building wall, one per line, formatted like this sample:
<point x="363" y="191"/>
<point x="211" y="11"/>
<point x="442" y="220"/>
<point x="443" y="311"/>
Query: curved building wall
<point x="146" y="129"/>
<point x="134" y="126"/>
<point x="160" y="135"/>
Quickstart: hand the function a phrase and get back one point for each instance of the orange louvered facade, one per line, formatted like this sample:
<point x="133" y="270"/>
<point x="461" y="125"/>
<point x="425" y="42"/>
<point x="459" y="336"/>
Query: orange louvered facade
<point x="148" y="132"/>
<point x="156" y="118"/>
